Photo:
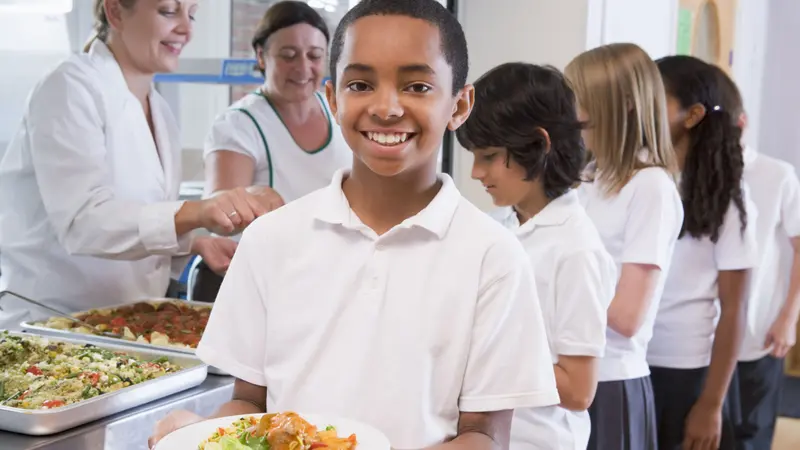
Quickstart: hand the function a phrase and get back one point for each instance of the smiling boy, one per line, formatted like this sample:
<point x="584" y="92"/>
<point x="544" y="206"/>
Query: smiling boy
<point x="389" y="299"/>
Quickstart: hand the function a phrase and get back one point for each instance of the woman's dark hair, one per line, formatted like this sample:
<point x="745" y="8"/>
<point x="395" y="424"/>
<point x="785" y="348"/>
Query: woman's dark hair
<point x="513" y="103"/>
<point x="285" y="14"/>
<point x="712" y="174"/>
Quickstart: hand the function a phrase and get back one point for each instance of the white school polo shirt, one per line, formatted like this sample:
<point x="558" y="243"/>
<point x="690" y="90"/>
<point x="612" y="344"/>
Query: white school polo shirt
<point x="252" y="127"/>
<point x="775" y="190"/>
<point x="687" y="318"/>
<point x="575" y="279"/>
<point x="640" y="225"/>
<point x="401" y="331"/>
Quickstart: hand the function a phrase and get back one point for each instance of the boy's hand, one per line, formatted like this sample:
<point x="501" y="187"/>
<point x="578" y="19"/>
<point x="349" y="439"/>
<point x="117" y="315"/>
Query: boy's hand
<point x="216" y="252"/>
<point x="703" y="427"/>
<point x="781" y="336"/>
<point x="269" y="198"/>
<point x="174" y="421"/>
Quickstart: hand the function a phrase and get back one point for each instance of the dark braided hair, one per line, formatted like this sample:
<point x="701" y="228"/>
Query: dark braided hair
<point x="712" y="174"/>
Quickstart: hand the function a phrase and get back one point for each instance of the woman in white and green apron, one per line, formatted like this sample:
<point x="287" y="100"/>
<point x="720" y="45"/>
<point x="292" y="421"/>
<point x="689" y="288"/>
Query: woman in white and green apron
<point x="281" y="139"/>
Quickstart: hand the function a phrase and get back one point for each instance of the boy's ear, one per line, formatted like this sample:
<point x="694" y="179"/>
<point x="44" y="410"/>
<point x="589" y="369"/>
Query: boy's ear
<point x="330" y="94"/>
<point x="465" y="98"/>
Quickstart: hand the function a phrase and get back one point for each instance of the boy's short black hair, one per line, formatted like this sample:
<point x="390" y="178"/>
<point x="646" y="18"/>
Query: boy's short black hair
<point x="454" y="43"/>
<point x="511" y="102"/>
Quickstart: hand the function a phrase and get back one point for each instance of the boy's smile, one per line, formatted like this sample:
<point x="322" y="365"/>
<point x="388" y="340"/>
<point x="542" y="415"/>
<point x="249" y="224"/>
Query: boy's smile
<point x="393" y="98"/>
<point x="388" y="141"/>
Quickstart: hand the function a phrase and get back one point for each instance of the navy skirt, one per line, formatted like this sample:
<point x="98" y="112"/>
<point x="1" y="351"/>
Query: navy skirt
<point x="623" y="416"/>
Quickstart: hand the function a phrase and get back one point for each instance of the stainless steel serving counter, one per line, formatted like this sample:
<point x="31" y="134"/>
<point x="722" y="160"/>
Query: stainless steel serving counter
<point x="128" y="430"/>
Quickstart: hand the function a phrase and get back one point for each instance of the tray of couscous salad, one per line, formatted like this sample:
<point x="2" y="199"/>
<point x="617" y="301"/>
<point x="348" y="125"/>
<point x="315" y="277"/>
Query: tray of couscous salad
<point x="49" y="384"/>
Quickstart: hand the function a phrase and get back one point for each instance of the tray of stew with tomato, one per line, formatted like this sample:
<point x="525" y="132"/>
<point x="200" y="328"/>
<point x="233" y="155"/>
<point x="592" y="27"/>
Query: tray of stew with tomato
<point x="167" y="324"/>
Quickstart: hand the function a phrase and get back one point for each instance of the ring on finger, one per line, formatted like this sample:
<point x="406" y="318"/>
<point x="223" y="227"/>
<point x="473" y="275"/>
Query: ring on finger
<point x="231" y="215"/>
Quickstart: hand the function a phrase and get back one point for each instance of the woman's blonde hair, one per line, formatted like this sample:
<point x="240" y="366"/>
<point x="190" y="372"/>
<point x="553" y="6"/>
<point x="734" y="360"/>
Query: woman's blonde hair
<point x="101" y="25"/>
<point x="620" y="89"/>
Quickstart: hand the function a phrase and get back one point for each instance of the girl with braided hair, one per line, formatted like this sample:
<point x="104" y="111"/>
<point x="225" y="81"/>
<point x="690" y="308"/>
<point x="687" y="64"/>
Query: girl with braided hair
<point x="702" y="313"/>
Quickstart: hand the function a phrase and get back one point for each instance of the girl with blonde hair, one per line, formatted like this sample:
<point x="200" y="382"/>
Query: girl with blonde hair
<point x="633" y="201"/>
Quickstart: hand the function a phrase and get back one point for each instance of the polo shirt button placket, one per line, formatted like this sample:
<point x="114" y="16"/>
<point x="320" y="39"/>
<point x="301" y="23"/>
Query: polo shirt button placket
<point x="377" y="266"/>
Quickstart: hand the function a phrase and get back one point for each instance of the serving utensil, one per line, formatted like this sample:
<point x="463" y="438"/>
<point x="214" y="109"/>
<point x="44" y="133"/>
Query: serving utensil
<point x="61" y="314"/>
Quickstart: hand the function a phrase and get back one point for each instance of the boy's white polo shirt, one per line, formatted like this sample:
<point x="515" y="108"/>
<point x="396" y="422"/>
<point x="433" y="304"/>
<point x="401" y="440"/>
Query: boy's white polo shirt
<point x="638" y="225"/>
<point x="775" y="190"/>
<point x="576" y="279"/>
<point x="400" y="331"/>
<point x="683" y="335"/>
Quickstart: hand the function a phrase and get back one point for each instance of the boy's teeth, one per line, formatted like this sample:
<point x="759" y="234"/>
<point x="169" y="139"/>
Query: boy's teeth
<point x="387" y="138"/>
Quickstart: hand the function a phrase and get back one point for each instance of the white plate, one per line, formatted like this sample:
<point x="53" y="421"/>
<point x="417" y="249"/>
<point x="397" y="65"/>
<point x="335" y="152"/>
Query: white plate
<point x="190" y="437"/>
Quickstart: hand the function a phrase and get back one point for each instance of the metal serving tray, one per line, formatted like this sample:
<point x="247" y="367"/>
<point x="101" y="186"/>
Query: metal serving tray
<point x="51" y="421"/>
<point x="29" y="326"/>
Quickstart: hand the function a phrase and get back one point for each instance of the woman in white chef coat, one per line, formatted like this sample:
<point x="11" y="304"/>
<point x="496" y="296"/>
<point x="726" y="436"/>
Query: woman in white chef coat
<point x="89" y="185"/>
<point x="281" y="137"/>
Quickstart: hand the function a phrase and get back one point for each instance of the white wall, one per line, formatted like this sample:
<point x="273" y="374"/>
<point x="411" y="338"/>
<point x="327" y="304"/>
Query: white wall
<point x="26" y="57"/>
<point x="749" y="57"/>
<point x="779" y="133"/>
<point x="554" y="32"/>
<point x="199" y="104"/>
<point x="650" y="24"/>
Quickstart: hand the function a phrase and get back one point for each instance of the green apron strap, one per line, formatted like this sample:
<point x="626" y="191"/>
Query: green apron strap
<point x="263" y="139"/>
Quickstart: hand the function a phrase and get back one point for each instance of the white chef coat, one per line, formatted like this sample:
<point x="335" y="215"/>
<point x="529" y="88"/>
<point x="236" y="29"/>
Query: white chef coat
<point x="638" y="225"/>
<point x="253" y="127"/>
<point x="576" y="279"/>
<point x="683" y="334"/>
<point x="401" y="331"/>
<point x="775" y="190"/>
<point x="87" y="198"/>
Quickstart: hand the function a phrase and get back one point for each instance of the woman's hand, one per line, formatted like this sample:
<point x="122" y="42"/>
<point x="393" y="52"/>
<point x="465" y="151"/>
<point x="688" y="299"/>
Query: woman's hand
<point x="229" y="212"/>
<point x="216" y="252"/>
<point x="174" y="421"/>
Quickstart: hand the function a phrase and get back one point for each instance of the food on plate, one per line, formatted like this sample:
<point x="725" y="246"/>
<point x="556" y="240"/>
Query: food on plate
<point x="38" y="373"/>
<point x="166" y="323"/>
<point x="284" y="431"/>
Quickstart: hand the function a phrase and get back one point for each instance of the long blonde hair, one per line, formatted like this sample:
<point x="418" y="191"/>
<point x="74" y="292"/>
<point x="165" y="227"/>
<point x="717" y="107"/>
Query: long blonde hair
<point x="101" y="25"/>
<point x="620" y="88"/>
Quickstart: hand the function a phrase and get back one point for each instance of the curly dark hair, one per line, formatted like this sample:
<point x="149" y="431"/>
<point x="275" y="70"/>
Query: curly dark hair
<point x="712" y="174"/>
<point x="513" y="102"/>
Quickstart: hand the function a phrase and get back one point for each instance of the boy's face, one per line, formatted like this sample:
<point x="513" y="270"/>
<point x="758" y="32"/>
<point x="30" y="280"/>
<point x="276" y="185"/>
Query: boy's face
<point x="501" y="176"/>
<point x="393" y="98"/>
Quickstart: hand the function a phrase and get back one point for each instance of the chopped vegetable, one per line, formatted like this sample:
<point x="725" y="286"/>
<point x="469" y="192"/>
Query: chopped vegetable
<point x="38" y="374"/>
